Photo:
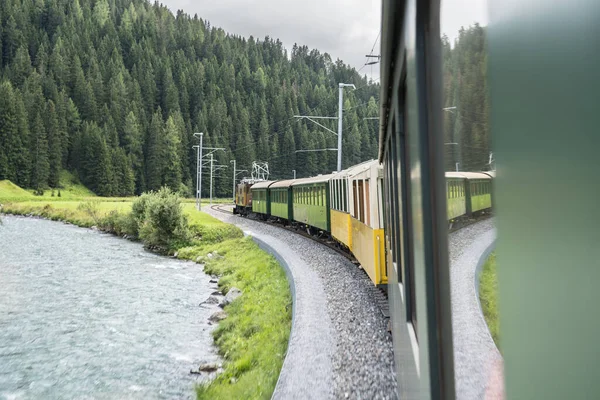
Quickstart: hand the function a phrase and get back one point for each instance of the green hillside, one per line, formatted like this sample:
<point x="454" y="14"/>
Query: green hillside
<point x="11" y="192"/>
<point x="112" y="91"/>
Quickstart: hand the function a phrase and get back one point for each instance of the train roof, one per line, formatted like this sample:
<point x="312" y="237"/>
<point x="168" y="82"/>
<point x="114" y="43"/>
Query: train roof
<point x="362" y="167"/>
<point x="283" y="184"/>
<point x="262" y="184"/>
<point x="490" y="173"/>
<point x="468" y="175"/>
<point x="314" y="179"/>
<point x="353" y="170"/>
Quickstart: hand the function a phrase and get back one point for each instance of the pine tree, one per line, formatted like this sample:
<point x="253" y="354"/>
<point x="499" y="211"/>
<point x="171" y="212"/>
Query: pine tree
<point x="155" y="153"/>
<point x="54" y="145"/>
<point x="172" y="162"/>
<point x="110" y="66"/>
<point x="39" y="155"/>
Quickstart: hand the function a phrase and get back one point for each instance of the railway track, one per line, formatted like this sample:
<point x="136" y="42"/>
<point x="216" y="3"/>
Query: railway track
<point x="219" y="207"/>
<point x="379" y="294"/>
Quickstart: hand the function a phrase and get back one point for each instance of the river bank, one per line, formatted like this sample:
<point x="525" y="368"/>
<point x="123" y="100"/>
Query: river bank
<point x="253" y="338"/>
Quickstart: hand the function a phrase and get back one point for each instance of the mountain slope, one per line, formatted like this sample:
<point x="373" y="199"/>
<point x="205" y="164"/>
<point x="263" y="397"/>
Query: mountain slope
<point x="113" y="90"/>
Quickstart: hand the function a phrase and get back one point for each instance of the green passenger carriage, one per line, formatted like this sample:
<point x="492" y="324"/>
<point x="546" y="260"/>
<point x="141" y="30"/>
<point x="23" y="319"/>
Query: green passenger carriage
<point x="311" y="202"/>
<point x="281" y="199"/>
<point x="455" y="195"/>
<point x="261" y="203"/>
<point x="480" y="191"/>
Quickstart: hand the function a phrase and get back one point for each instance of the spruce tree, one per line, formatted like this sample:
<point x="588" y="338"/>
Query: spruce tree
<point x="39" y="154"/>
<point x="54" y="145"/>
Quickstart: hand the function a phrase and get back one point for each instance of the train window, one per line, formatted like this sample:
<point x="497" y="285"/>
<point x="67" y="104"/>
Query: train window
<point x="332" y="200"/>
<point x="394" y="202"/>
<point x="367" y="203"/>
<point x="380" y="202"/>
<point x="354" y="198"/>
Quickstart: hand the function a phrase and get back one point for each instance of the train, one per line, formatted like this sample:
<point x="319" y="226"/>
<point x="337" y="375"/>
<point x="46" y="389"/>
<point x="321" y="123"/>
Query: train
<point x="543" y="86"/>
<point x="348" y="207"/>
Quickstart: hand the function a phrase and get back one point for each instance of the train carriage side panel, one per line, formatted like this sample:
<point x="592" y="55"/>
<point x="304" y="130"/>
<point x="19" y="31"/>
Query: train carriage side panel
<point x="310" y="202"/>
<point x="456" y="195"/>
<point x="480" y="186"/>
<point x="341" y="227"/>
<point x="261" y="203"/>
<point x="281" y="199"/>
<point x="367" y="229"/>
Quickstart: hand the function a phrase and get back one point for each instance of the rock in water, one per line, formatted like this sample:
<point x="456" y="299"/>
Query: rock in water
<point x="209" y="367"/>
<point x="211" y="300"/>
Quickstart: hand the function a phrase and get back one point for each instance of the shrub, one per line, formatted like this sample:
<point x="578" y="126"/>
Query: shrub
<point x="91" y="208"/>
<point x="164" y="224"/>
<point x="138" y="213"/>
<point x="116" y="223"/>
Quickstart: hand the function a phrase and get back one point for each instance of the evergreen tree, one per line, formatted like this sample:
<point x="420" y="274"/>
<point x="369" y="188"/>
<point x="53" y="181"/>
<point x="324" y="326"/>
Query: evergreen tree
<point x="172" y="162"/>
<point x="54" y="145"/>
<point x="155" y="153"/>
<point x="39" y="154"/>
<point x="92" y="84"/>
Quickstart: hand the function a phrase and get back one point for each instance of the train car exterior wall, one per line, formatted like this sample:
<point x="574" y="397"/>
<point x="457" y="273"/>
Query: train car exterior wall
<point x="310" y="205"/>
<point x="481" y="195"/>
<point x="281" y="203"/>
<point x="260" y="201"/>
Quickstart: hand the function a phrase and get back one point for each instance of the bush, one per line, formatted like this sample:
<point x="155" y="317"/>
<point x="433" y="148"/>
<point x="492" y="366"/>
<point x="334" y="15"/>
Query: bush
<point x="138" y="213"/>
<point x="91" y="208"/>
<point x="164" y="223"/>
<point x="116" y="223"/>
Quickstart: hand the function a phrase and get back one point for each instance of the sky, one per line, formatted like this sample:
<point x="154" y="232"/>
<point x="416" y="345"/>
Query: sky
<point x="346" y="29"/>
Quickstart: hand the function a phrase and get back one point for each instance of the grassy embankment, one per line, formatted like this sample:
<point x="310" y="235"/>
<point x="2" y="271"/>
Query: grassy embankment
<point x="488" y="295"/>
<point x="253" y="338"/>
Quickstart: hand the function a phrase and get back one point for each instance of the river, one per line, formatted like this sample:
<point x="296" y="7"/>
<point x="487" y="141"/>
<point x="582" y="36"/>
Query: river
<point x="87" y="315"/>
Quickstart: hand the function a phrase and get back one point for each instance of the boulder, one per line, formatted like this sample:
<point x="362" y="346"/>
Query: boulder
<point x="232" y="294"/>
<point x="211" y="300"/>
<point x="218" y="316"/>
<point x="209" y="367"/>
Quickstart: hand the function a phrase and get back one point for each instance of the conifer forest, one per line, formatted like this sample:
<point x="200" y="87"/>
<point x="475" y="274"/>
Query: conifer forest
<point x="113" y="90"/>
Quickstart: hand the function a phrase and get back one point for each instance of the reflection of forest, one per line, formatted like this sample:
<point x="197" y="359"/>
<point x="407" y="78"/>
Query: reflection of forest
<point x="465" y="87"/>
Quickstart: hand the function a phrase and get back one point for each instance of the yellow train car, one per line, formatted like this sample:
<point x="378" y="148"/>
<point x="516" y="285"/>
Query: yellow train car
<point x="341" y="229"/>
<point x="357" y="216"/>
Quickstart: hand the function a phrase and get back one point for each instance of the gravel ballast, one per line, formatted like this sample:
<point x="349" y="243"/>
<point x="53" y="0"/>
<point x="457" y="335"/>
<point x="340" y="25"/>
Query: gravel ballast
<point x="475" y="354"/>
<point x="340" y="346"/>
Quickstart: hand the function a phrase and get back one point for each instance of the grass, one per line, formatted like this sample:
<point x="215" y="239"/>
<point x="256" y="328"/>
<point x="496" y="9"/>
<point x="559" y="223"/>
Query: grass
<point x="488" y="295"/>
<point x="10" y="191"/>
<point x="253" y="338"/>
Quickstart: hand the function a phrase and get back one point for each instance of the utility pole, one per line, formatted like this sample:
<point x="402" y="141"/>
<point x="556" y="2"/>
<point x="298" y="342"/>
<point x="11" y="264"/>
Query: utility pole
<point x="234" y="175"/>
<point x="198" y="171"/>
<point x="211" y="176"/>
<point x="294" y="171"/>
<point x="339" y="118"/>
<point x="457" y="167"/>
